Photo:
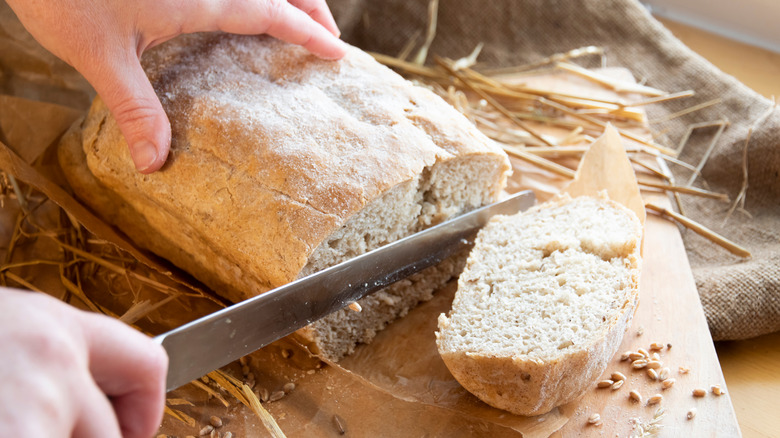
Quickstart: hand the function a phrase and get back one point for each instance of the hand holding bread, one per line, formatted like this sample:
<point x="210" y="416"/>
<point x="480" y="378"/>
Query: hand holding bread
<point x="104" y="41"/>
<point x="65" y="364"/>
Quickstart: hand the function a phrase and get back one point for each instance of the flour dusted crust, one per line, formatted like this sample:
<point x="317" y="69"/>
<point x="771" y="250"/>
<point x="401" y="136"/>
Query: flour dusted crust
<point x="528" y="371"/>
<point x="282" y="164"/>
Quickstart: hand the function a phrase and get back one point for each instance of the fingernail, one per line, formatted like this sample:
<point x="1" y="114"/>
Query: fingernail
<point x="335" y="31"/>
<point x="144" y="155"/>
<point x="341" y="49"/>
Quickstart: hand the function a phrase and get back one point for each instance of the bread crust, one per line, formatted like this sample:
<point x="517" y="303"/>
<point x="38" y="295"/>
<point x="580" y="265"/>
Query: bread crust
<point x="532" y="386"/>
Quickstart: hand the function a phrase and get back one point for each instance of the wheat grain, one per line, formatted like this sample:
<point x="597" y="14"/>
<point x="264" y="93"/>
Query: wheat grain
<point x="636" y="356"/>
<point x="604" y="383"/>
<point x="617" y="375"/>
<point x="654" y="400"/>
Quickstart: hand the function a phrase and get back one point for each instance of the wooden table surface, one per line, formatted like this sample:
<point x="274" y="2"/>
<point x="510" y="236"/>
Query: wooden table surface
<point x="752" y="367"/>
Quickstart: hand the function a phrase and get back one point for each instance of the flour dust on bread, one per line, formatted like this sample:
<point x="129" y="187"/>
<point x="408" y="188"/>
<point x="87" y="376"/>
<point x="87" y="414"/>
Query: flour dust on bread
<point x="283" y="164"/>
<point x="543" y="303"/>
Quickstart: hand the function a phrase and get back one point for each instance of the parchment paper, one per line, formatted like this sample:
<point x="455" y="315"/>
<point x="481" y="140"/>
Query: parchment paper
<point x="605" y="167"/>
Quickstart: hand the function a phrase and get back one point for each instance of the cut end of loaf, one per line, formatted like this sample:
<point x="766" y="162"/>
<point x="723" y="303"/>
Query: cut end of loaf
<point x="543" y="303"/>
<point x="448" y="189"/>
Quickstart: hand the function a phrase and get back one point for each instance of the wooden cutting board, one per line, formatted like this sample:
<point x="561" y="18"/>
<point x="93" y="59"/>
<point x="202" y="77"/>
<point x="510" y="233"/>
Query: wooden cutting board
<point x="669" y="313"/>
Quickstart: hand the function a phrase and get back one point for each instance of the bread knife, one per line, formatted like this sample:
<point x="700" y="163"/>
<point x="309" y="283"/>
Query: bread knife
<point x="215" y="340"/>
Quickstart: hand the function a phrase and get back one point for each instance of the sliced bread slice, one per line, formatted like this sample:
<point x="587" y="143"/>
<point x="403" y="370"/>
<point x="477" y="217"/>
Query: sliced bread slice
<point x="543" y="303"/>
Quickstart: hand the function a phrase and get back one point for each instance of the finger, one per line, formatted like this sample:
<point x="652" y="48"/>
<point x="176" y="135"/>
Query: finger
<point x="130" y="368"/>
<point x="295" y="26"/>
<point x="319" y="11"/>
<point x="122" y="84"/>
<point x="44" y="406"/>
<point x="274" y="17"/>
<point x="97" y="418"/>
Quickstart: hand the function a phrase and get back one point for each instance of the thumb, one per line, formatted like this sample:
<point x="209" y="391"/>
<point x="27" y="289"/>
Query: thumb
<point x="126" y="91"/>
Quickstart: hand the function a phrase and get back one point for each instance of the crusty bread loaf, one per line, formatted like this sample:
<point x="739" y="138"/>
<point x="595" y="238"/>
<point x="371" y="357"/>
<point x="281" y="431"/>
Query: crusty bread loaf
<point x="543" y="303"/>
<point x="283" y="164"/>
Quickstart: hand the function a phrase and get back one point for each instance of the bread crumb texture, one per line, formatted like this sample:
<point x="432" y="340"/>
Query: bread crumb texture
<point x="543" y="303"/>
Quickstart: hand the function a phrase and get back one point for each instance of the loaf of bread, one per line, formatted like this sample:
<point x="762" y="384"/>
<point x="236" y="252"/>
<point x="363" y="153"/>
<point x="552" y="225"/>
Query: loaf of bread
<point x="543" y="303"/>
<point x="283" y="164"/>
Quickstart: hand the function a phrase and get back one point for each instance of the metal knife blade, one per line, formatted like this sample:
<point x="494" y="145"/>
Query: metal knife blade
<point x="215" y="340"/>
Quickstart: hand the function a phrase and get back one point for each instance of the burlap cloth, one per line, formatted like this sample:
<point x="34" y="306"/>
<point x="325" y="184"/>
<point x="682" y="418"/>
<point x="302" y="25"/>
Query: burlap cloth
<point x="741" y="298"/>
